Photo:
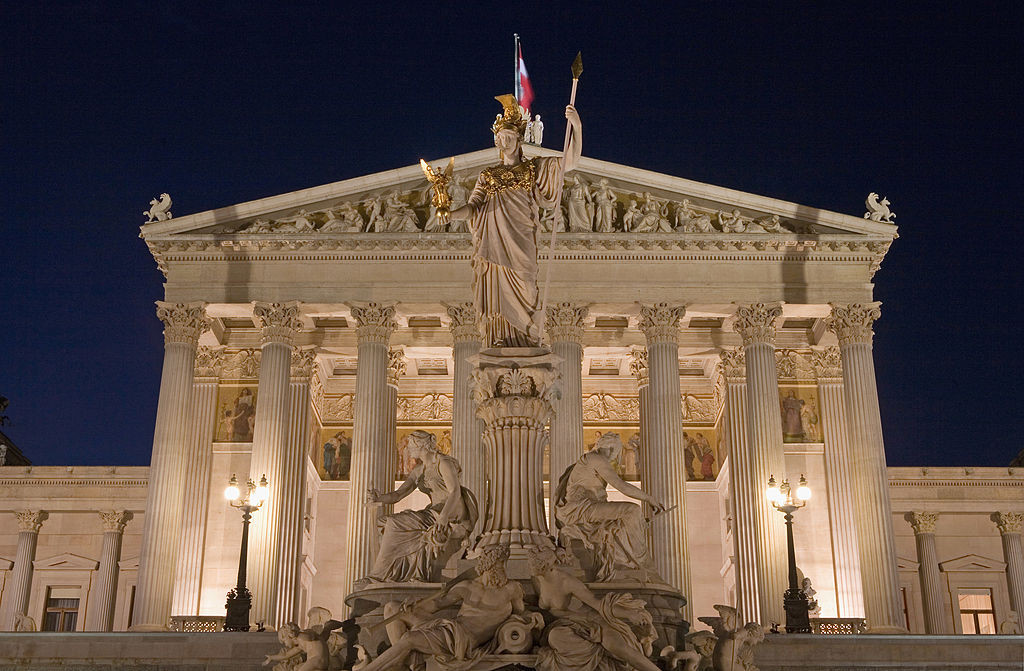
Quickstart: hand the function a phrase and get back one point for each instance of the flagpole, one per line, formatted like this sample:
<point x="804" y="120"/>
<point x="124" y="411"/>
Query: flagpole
<point x="515" y="71"/>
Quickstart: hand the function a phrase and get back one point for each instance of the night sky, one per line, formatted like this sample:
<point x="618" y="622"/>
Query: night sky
<point x="106" y="105"/>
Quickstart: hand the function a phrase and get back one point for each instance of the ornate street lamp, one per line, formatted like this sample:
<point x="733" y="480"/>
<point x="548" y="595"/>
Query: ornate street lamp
<point x="240" y="599"/>
<point x="798" y="618"/>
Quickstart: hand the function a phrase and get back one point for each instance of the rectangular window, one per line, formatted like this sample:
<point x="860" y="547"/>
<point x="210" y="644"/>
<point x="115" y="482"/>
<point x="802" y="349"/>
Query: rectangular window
<point x="61" y="612"/>
<point x="976" y="613"/>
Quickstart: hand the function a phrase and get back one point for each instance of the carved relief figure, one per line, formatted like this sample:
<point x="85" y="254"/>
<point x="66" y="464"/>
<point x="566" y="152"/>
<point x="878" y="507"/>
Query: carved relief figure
<point x="614" y="633"/>
<point x="734" y="644"/>
<point x="375" y="220"/>
<point x="631" y="217"/>
<point x="654" y="217"/>
<point x="613" y="531"/>
<point x="732" y="223"/>
<point x="689" y="220"/>
<point x="346" y="220"/>
<point x="792" y="423"/>
<point x="604" y="207"/>
<point x="581" y="206"/>
<point x="417" y="543"/>
<point x="398" y="217"/>
<point x="310" y="643"/>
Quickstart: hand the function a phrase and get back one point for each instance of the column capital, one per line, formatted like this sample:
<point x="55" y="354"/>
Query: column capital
<point x="375" y="322"/>
<point x="1008" y="523"/>
<point x="734" y="363"/>
<point x="828" y="363"/>
<point x="923" y="523"/>
<point x="853" y="322"/>
<point x="303" y="364"/>
<point x="115" y="520"/>
<point x="183" y="322"/>
<point x="279" y="322"/>
<point x="565" y="322"/>
<point x="464" y="324"/>
<point x="660" y="322"/>
<point x="31" y="520"/>
<point x="209" y="361"/>
<point x="396" y="365"/>
<point x="638" y="366"/>
<point x="756" y="322"/>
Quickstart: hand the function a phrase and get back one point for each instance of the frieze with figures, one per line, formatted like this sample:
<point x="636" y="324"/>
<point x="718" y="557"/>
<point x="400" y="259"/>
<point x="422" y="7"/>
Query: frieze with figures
<point x="601" y="407"/>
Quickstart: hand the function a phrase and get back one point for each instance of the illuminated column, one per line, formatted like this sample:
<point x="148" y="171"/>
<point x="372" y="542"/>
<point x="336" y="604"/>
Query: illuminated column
<point x="161" y="530"/>
<point x="638" y="366"/>
<point x="374" y="325"/>
<point x="762" y="455"/>
<point x="747" y="491"/>
<point x="935" y="620"/>
<point x="660" y="326"/>
<point x="100" y="616"/>
<point x="565" y="331"/>
<point x="466" y="428"/>
<point x="292" y="487"/>
<point x="197" y="465"/>
<point x="883" y="607"/>
<point x="20" y="582"/>
<point x="396" y="369"/>
<point x="1009" y="529"/>
<point x="279" y="322"/>
<point x="839" y="483"/>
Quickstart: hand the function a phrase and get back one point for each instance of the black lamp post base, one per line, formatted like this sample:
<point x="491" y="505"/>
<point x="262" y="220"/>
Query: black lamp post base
<point x="238" y="606"/>
<point x="798" y="617"/>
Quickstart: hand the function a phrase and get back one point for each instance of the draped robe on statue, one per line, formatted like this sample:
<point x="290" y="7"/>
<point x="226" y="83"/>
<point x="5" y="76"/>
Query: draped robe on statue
<point x="504" y="224"/>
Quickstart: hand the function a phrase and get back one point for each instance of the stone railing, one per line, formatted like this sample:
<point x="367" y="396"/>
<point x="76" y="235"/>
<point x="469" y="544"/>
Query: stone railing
<point x="833" y="626"/>
<point x="197" y="624"/>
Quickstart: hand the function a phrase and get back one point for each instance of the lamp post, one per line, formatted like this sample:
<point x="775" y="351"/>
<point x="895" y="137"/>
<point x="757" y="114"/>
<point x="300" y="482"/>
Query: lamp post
<point x="240" y="599"/>
<point x="798" y="619"/>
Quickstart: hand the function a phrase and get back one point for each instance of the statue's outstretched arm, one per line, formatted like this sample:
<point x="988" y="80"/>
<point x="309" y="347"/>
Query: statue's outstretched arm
<point x="604" y="468"/>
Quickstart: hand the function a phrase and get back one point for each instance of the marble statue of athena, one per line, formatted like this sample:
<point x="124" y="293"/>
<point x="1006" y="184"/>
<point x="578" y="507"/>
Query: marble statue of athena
<point x="503" y="215"/>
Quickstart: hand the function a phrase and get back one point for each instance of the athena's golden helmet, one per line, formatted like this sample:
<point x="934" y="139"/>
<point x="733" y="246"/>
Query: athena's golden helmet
<point x="512" y="119"/>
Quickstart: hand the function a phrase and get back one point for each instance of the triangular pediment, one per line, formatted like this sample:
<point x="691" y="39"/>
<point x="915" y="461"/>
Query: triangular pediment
<point x="66" y="560"/>
<point x="972" y="563"/>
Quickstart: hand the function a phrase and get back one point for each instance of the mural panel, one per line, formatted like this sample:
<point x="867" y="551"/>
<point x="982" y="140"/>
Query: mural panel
<point x="700" y="453"/>
<point x="801" y="420"/>
<point x="236" y="414"/>
<point x="333" y="453"/>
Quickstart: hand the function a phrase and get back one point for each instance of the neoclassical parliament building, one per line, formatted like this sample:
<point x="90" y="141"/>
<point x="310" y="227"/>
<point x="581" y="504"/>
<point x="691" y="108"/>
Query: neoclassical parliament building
<point x="306" y="335"/>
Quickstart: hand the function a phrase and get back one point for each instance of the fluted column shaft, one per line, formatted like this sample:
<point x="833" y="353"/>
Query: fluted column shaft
<point x="17" y="590"/>
<point x="756" y="325"/>
<point x="370" y="455"/>
<point x="396" y="369"/>
<point x="161" y="532"/>
<point x="1010" y="530"/>
<point x="873" y="513"/>
<point x="466" y="427"/>
<point x="839" y="485"/>
<point x="745" y="487"/>
<point x="279" y="322"/>
<point x="660" y="325"/>
<point x="638" y="366"/>
<point x="196" y="500"/>
<point x="565" y="331"/>
<point x="100" y="616"/>
<point x="935" y="619"/>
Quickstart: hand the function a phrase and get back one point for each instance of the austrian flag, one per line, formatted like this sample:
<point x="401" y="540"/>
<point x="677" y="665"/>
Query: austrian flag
<point x="524" y="92"/>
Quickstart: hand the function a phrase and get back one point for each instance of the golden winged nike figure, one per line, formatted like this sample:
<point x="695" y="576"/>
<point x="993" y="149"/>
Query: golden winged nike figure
<point x="439" y="180"/>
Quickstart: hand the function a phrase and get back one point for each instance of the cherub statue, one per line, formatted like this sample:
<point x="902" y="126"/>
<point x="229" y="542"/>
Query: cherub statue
<point x="160" y="210"/>
<point x="23" y="622"/>
<point x="734" y="644"/>
<point x="877" y="210"/>
<point x="308" y="642"/>
<point x="1011" y="625"/>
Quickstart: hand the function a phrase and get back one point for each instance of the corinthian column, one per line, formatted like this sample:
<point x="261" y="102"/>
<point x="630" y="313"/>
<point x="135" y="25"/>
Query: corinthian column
<point x="565" y="331"/>
<point x="466" y="428"/>
<point x="198" y="462"/>
<point x="935" y="620"/>
<point x="292" y="486"/>
<point x="370" y="455"/>
<point x="762" y="456"/>
<point x="161" y="531"/>
<point x="745" y="486"/>
<point x="16" y="593"/>
<point x="883" y="609"/>
<point x="638" y="366"/>
<point x="279" y="322"/>
<point x="666" y="469"/>
<point x="100" y="616"/>
<point x="839" y="483"/>
<point x="396" y="369"/>
<point x="1009" y="529"/>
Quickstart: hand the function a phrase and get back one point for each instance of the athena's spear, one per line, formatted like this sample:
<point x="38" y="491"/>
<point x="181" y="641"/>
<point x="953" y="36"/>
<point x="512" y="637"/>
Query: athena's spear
<point x="577" y="70"/>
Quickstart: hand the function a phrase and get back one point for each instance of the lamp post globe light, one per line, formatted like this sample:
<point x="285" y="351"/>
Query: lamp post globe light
<point x="786" y="501"/>
<point x="240" y="599"/>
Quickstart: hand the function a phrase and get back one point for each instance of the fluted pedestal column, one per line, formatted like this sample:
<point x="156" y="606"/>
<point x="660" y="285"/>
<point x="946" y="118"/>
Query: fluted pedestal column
<point x="839" y="479"/>
<point x="370" y="454"/>
<point x="565" y="331"/>
<point x="935" y="619"/>
<point x="195" y="503"/>
<point x="638" y="366"/>
<point x="279" y="323"/>
<point x="666" y="466"/>
<point x="513" y="388"/>
<point x="293" y="486"/>
<point x="161" y="531"/>
<point x="396" y="369"/>
<point x="744" y="484"/>
<point x="100" y="616"/>
<point x="883" y="608"/>
<point x="1009" y="530"/>
<point x="762" y="454"/>
<point x="18" y="586"/>
<point x="467" y="429"/>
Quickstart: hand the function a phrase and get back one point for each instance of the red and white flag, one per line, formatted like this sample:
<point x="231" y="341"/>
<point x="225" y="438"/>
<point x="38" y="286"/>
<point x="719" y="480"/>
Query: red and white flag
<point x="524" y="92"/>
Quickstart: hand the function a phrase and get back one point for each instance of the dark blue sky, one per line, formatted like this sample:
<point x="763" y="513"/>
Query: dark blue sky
<point x="105" y="105"/>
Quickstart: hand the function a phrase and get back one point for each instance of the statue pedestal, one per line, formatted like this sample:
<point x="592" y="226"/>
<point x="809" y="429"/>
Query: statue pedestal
<point x="513" y="388"/>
